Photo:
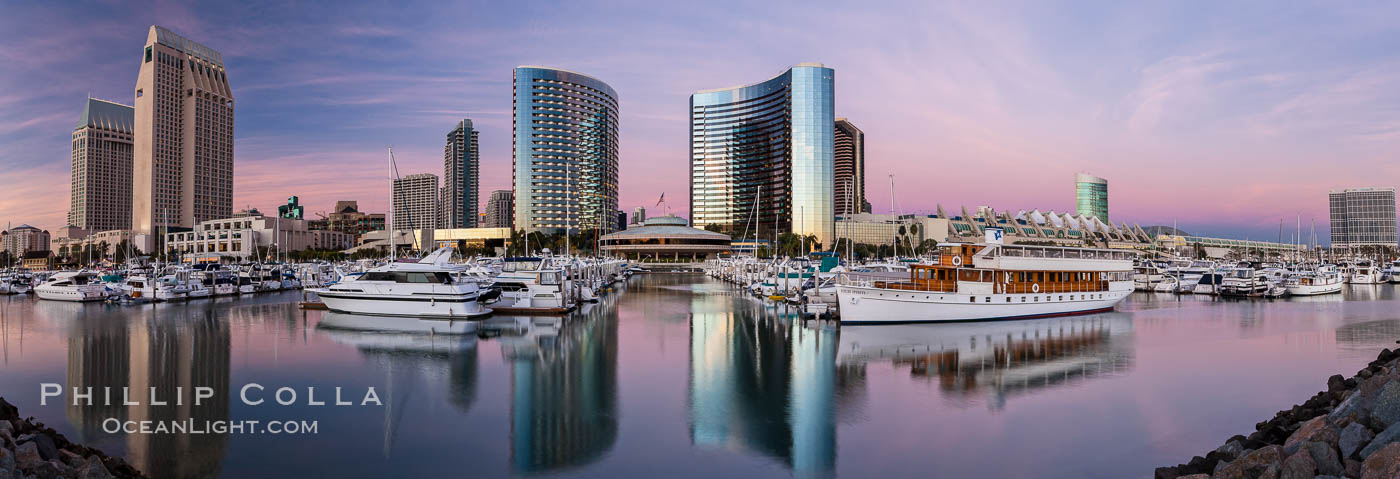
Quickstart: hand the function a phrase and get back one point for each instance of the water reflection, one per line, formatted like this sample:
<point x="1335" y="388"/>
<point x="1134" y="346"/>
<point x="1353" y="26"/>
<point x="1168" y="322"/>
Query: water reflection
<point x="997" y="360"/>
<point x="563" y="381"/>
<point x="762" y="382"/>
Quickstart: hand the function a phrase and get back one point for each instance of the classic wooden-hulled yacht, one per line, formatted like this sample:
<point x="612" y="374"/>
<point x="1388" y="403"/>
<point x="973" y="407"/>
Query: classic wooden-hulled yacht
<point x="967" y="282"/>
<point x="1323" y="280"/>
<point x="427" y="288"/>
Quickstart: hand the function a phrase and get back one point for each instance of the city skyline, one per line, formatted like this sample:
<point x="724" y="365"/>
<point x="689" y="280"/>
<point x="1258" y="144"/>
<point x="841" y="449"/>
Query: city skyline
<point x="1011" y="96"/>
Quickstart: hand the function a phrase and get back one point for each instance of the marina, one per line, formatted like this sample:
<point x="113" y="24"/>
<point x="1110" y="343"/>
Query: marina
<point x="694" y="376"/>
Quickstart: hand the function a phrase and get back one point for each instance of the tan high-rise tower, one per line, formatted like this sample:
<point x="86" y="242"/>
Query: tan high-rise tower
<point x="182" y="161"/>
<point x="100" y="199"/>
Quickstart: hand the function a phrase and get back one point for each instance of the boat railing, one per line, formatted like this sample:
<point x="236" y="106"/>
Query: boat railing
<point x="1054" y="287"/>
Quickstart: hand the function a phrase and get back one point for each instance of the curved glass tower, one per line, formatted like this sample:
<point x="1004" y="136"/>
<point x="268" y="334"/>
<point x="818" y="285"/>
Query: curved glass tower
<point x="762" y="155"/>
<point x="1091" y="196"/>
<point x="565" y="166"/>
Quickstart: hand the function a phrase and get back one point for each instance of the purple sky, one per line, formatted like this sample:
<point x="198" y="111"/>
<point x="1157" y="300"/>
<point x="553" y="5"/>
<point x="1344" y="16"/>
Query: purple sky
<point x="1223" y="118"/>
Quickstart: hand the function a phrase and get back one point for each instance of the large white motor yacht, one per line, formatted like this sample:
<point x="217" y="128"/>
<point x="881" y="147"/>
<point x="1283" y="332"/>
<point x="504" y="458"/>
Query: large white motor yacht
<point x="427" y="288"/>
<point x="73" y="286"/>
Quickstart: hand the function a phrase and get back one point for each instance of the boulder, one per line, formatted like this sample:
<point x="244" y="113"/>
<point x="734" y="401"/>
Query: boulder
<point x="1387" y="436"/>
<point x="1315" y="429"/>
<point x="27" y="456"/>
<point x="7" y="464"/>
<point x="1325" y="456"/>
<point x="1195" y="476"/>
<point x="1385" y="408"/>
<point x="1253" y="464"/>
<point x="1231" y="449"/>
<point x="93" y="469"/>
<point x="47" y="449"/>
<point x="1298" y="466"/>
<point x="1349" y="410"/>
<point x="52" y="470"/>
<point x="1336" y="382"/>
<point x="1383" y="464"/>
<point x="72" y="459"/>
<point x="1353" y="467"/>
<point x="1353" y="438"/>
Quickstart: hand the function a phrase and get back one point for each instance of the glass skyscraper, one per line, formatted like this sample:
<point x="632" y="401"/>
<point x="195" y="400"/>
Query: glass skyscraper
<point x="762" y="155"/>
<point x="565" y="167"/>
<point x="1362" y="217"/>
<point x="1091" y="196"/>
<point x="461" y="178"/>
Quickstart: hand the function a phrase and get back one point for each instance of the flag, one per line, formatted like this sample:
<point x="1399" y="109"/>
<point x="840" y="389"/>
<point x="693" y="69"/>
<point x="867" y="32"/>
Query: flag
<point x="661" y="200"/>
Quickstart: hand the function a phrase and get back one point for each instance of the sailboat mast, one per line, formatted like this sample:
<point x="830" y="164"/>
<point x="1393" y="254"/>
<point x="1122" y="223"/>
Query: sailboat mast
<point x="390" y="229"/>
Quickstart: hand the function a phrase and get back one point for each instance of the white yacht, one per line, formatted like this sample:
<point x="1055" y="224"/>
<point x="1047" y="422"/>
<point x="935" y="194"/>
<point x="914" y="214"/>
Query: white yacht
<point x="73" y="286"/>
<point x="980" y="282"/>
<point x="1364" y="272"/>
<point x="1244" y="281"/>
<point x="165" y="288"/>
<point x="1392" y="273"/>
<point x="426" y="288"/>
<point x="1324" y="280"/>
<point x="529" y="285"/>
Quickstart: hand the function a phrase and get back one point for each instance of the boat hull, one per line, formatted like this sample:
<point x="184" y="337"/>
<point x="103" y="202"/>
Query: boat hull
<point x="64" y="294"/>
<point x="1312" y="290"/>
<point x="434" y="306"/>
<point x="860" y="305"/>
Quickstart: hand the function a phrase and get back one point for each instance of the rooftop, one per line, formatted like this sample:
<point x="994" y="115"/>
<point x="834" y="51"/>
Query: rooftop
<point x="669" y="226"/>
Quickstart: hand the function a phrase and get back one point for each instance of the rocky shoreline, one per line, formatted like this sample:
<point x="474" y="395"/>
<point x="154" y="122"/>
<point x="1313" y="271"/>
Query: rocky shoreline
<point x="1351" y="430"/>
<point x="28" y="449"/>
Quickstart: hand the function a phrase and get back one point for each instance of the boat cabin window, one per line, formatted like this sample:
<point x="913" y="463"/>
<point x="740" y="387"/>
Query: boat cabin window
<point x="549" y="278"/>
<point x="439" y="277"/>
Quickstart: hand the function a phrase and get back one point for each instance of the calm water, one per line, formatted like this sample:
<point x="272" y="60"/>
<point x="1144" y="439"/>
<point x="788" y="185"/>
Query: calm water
<point x="682" y="376"/>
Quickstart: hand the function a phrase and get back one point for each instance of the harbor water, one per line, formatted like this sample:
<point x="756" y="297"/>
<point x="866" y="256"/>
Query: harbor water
<point x="684" y="376"/>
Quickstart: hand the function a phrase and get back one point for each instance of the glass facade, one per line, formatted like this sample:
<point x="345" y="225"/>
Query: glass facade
<point x="461" y="167"/>
<point x="565" y="150"/>
<point x="1091" y="196"/>
<point x="1362" y="217"/>
<point x="762" y="155"/>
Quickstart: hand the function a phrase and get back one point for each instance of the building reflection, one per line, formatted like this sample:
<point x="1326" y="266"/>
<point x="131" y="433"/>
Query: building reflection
<point x="1000" y="359"/>
<point x="99" y="357"/>
<point x="563" y="380"/>
<point x="410" y="352"/>
<point x="762" y="382"/>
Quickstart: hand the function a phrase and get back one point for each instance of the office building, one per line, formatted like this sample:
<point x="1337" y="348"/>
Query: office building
<point x="565" y="151"/>
<point x="240" y="237"/>
<point x="24" y="239"/>
<point x="291" y="210"/>
<point x="460" y="177"/>
<point x="500" y="210"/>
<point x="1362" y="217"/>
<point x="100" y="196"/>
<point x="849" y="168"/>
<point x="182" y="160"/>
<point x="639" y="215"/>
<point x="762" y="155"/>
<point x="621" y="220"/>
<point x="415" y="202"/>
<point x="1091" y="196"/>
<point x="347" y="218"/>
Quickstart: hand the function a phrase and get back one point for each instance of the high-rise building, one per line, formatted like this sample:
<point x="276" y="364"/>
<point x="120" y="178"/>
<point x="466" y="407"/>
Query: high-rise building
<point x="639" y="215"/>
<point x="1091" y="196"/>
<point x="100" y="198"/>
<point x="182" y="160"/>
<point x="763" y="154"/>
<point x="415" y="202"/>
<point x="24" y="239"/>
<point x="500" y="209"/>
<point x="621" y="220"/>
<point x="1362" y="217"/>
<point x="565" y="163"/>
<point x="850" y="168"/>
<point x="460" y="177"/>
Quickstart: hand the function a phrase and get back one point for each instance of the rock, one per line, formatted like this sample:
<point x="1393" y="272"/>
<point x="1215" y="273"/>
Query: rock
<point x="1389" y="435"/>
<point x="8" y="411"/>
<point x="93" y="469"/>
<point x="1353" y="438"/>
<point x="7" y="428"/>
<point x="1231" y="449"/>
<point x="7" y="464"/>
<point x="1385" y="409"/>
<point x="27" y="456"/>
<point x="1336" y="382"/>
<point x="1195" y="476"/>
<point x="1270" y="472"/>
<point x="1316" y="429"/>
<point x="47" y="449"/>
<point x="1326" y="458"/>
<point x="1254" y="464"/>
<point x="1165" y="472"/>
<point x="1349" y="410"/>
<point x="1383" y="464"/>
<point x="53" y="470"/>
<point x="1298" y="466"/>
<point x="1353" y="467"/>
<point x="72" y="459"/>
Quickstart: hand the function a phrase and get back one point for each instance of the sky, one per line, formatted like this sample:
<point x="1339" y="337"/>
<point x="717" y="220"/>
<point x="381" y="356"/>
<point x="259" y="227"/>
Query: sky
<point x="1225" y="118"/>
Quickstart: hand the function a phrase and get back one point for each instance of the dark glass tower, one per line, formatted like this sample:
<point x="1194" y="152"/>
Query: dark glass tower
<point x="460" y="177"/>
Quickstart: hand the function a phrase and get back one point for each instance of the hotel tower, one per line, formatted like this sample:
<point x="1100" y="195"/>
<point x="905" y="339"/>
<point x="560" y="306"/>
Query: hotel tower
<point x="461" y="166"/>
<point x="565" y="166"/>
<point x="182" y="162"/>
<point x="763" y="155"/>
<point x="100" y="198"/>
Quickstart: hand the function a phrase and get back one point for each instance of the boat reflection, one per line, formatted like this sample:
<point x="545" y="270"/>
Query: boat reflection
<point x="998" y="359"/>
<point x="412" y="354"/>
<point x="563" y="380"/>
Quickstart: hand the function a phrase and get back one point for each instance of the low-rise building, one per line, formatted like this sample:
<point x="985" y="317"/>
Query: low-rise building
<point x="1035" y="227"/>
<point x="71" y="239"/>
<point x="665" y="239"/>
<point x="240" y="237"/>
<point x="347" y="218"/>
